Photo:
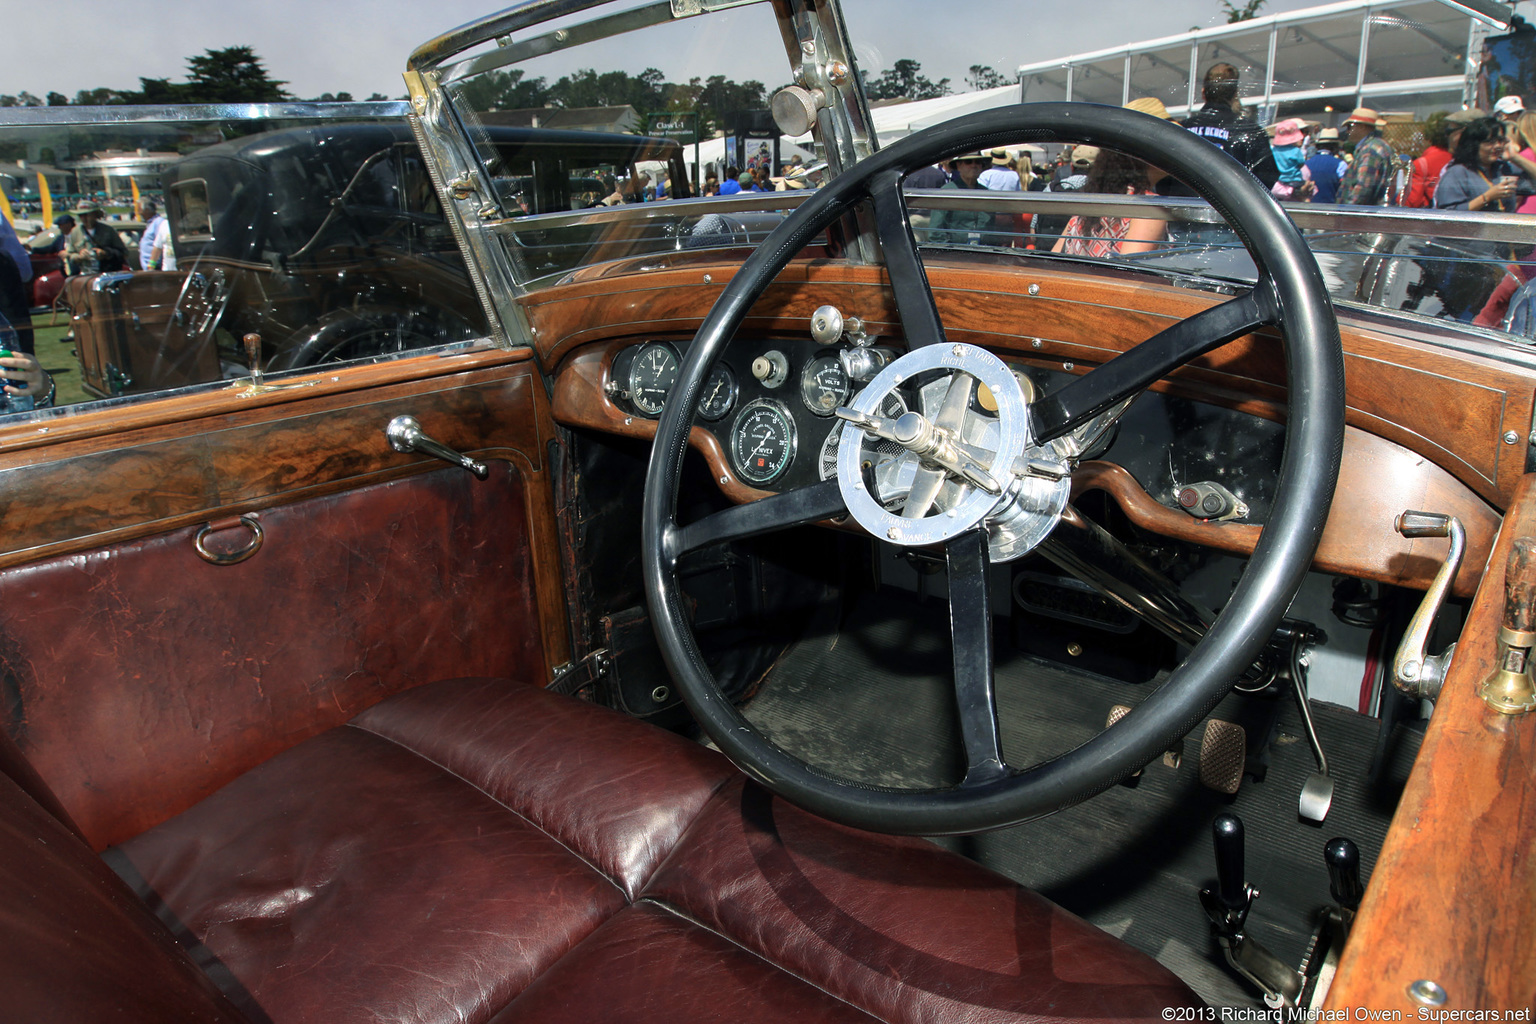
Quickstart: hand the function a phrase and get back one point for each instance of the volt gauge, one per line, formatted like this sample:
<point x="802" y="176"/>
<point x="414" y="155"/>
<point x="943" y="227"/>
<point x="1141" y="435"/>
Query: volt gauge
<point x="824" y="385"/>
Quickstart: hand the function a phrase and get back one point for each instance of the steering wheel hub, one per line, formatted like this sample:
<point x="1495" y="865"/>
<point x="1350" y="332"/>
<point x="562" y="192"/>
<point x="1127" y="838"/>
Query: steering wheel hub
<point x="963" y="464"/>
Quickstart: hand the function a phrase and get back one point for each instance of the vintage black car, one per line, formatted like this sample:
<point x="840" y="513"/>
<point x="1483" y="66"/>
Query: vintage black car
<point x="839" y="627"/>
<point x="328" y="242"/>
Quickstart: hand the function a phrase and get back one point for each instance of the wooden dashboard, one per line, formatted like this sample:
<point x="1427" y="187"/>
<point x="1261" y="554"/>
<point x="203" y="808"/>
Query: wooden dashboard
<point x="1426" y="430"/>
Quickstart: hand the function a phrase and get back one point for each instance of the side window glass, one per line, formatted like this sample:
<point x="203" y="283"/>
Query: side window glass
<point x="324" y="237"/>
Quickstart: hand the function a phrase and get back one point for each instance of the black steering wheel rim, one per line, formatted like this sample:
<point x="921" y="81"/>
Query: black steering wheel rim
<point x="1308" y="472"/>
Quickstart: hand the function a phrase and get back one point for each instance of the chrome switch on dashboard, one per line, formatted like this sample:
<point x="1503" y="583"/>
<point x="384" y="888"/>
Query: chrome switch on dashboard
<point x="1210" y="500"/>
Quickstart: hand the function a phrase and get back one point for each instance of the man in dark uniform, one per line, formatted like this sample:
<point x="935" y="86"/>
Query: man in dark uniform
<point x="1222" y="122"/>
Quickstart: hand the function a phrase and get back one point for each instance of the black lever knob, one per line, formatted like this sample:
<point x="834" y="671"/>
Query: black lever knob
<point x="1343" y="858"/>
<point x="1227" y="833"/>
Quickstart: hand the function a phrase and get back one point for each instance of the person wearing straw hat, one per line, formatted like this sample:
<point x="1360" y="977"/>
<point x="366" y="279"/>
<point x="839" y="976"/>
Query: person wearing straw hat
<point x="1000" y="177"/>
<point x="1370" y="173"/>
<point x="94" y="246"/>
<point x="1324" y="168"/>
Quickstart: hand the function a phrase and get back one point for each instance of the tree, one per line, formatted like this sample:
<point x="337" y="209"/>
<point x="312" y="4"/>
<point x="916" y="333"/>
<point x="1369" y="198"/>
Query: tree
<point x="716" y="99"/>
<point x="904" y="80"/>
<point x="1235" y="13"/>
<point x="981" y="76"/>
<point x="502" y="90"/>
<point x="231" y="75"/>
<point x="57" y="99"/>
<point x="588" y="88"/>
<point x="21" y="99"/>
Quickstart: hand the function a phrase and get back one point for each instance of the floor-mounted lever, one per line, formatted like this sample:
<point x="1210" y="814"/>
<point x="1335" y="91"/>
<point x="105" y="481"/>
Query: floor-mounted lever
<point x="405" y="435"/>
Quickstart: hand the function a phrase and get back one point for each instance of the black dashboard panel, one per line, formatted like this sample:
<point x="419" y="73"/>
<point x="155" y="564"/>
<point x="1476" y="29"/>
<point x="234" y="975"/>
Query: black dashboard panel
<point x="1165" y="441"/>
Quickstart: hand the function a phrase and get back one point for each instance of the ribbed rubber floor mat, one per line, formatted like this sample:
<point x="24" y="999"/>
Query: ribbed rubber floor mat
<point x="874" y="703"/>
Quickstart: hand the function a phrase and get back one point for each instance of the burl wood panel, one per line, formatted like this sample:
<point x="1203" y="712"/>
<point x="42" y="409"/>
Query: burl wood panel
<point x="1377" y="481"/>
<point x="1450" y="407"/>
<point x="96" y="485"/>
<point x="138" y="678"/>
<point x="1450" y="899"/>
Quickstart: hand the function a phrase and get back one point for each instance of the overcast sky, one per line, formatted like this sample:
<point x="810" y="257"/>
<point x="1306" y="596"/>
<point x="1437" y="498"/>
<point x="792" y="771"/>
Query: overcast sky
<point x="320" y="46"/>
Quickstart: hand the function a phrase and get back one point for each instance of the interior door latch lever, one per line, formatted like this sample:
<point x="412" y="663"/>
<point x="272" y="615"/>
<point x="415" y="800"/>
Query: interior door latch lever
<point x="405" y="435"/>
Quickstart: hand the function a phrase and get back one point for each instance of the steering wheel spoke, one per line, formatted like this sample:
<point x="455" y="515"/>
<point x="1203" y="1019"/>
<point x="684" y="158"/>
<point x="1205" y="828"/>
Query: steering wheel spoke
<point x="909" y="281"/>
<point x="1129" y="373"/>
<point x="766" y="515"/>
<point x="970" y="627"/>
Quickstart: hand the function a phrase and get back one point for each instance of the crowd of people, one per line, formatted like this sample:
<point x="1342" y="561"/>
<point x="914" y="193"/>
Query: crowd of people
<point x="1473" y="160"/>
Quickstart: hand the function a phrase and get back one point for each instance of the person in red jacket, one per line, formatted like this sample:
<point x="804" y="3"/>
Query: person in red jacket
<point x="1428" y="167"/>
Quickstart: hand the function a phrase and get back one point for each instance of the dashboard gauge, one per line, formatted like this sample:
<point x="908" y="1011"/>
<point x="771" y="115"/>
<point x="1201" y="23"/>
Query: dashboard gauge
<point x="824" y="385"/>
<point x="719" y="394"/>
<point x="762" y="441"/>
<point x="651" y="377"/>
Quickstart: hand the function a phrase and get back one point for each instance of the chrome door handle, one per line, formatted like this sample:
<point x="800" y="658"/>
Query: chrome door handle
<point x="405" y="435"/>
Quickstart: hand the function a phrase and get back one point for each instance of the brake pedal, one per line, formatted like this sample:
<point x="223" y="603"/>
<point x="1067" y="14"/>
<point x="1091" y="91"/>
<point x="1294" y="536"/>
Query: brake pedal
<point x="1223" y="754"/>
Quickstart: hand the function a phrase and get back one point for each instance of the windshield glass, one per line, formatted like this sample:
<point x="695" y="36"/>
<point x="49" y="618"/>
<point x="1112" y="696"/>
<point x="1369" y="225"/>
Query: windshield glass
<point x="704" y="163"/>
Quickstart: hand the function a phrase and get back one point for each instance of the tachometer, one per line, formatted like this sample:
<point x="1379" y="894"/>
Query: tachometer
<point x="719" y="395"/>
<point x="824" y="385"/>
<point x="651" y="377"/>
<point x="762" y="441"/>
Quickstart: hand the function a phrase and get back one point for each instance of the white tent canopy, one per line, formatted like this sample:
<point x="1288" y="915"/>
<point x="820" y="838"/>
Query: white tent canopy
<point x="901" y="119"/>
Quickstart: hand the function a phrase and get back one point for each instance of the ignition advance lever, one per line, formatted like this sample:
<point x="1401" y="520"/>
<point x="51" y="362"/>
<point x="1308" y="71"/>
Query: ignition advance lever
<point x="1227" y="906"/>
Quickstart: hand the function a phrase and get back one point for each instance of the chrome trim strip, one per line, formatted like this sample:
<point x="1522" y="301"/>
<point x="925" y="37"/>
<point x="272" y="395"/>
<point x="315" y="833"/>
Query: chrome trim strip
<point x="20" y="117"/>
<point x="1502" y="227"/>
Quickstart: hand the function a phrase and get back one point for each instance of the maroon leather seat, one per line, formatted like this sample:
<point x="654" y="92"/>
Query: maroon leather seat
<point x="479" y="850"/>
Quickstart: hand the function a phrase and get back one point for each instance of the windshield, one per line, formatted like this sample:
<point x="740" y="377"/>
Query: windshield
<point x="734" y="119"/>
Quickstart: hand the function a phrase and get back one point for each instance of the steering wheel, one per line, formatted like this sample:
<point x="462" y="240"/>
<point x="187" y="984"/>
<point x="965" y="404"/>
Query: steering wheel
<point x="1289" y="294"/>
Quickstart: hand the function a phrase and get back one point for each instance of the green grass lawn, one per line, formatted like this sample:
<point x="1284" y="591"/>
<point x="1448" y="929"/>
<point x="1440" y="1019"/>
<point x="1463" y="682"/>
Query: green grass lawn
<point x="57" y="354"/>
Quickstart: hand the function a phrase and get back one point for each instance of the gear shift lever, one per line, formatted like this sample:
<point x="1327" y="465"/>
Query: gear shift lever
<point x="1227" y="906"/>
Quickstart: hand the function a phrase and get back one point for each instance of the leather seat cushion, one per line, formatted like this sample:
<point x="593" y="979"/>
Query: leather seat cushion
<point x="416" y="873"/>
<point x="478" y="847"/>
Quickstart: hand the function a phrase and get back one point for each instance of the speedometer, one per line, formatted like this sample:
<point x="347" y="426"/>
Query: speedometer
<point x="762" y="441"/>
<point x="651" y="377"/>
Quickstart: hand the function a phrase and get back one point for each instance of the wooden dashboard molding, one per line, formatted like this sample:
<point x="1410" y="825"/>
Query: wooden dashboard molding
<point x="1450" y="897"/>
<point x="1378" y="480"/>
<point x="1453" y="408"/>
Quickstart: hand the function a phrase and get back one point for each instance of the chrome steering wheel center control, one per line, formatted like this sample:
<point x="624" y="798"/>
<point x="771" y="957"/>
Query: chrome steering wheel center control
<point x="958" y="466"/>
